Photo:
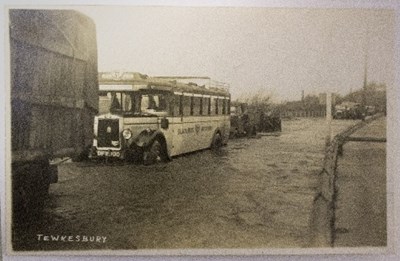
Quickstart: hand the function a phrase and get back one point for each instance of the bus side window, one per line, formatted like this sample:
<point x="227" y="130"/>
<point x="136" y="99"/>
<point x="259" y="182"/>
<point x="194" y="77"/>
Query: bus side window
<point x="115" y="101"/>
<point x="171" y="101"/>
<point x="209" y="106"/>
<point x="213" y="106"/>
<point x="137" y="102"/>
<point x="191" y="105"/>
<point x="197" y="106"/>
<point x="127" y="102"/>
<point x="186" y="105"/>
<point x="216" y="105"/>
<point x="175" y="105"/>
<point x="229" y="106"/>
<point x="144" y="103"/>
<point x="162" y="103"/>
<point x="201" y="106"/>
<point x="181" y="105"/>
<point x="224" y="106"/>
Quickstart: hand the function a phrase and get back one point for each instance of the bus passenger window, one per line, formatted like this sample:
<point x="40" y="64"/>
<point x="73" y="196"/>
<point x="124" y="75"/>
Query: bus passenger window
<point x="181" y="105"/>
<point x="160" y="102"/>
<point x="136" y="102"/>
<point x="115" y="101"/>
<point x="223" y="106"/>
<point x="201" y="106"/>
<point x="212" y="106"/>
<point x="209" y="106"/>
<point x="216" y="106"/>
<point x="197" y="106"/>
<point x="191" y="105"/>
<point x="186" y="105"/>
<point x="155" y="103"/>
<point x="152" y="103"/>
<point x="145" y="103"/>
<point x="175" y="105"/>
<point x="127" y="103"/>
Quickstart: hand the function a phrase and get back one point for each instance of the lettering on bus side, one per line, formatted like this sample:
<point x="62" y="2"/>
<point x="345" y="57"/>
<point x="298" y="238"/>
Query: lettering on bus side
<point x="195" y="129"/>
<point x="206" y="128"/>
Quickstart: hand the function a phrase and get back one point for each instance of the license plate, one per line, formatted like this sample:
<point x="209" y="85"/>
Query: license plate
<point x="108" y="153"/>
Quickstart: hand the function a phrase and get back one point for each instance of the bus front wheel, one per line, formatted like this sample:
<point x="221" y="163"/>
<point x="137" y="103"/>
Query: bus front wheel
<point x="217" y="141"/>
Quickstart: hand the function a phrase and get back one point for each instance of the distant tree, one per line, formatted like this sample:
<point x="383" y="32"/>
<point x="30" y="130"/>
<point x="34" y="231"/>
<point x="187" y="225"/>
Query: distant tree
<point x="311" y="102"/>
<point x="260" y="101"/>
<point x="338" y="98"/>
<point x="375" y="95"/>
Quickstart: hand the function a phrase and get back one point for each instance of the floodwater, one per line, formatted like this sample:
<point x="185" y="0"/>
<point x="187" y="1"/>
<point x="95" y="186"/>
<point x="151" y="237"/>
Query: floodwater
<point x="253" y="193"/>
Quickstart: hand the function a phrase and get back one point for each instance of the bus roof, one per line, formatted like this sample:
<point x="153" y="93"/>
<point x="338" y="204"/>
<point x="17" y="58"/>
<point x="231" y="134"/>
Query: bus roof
<point x="138" y="81"/>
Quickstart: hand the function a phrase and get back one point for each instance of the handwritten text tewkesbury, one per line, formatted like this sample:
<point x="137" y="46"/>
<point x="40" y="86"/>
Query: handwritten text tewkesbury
<point x="69" y="238"/>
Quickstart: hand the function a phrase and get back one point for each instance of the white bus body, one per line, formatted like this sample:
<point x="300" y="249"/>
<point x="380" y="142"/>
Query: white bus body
<point x="148" y="119"/>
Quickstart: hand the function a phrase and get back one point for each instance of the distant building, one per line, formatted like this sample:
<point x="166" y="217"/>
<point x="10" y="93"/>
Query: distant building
<point x="378" y="88"/>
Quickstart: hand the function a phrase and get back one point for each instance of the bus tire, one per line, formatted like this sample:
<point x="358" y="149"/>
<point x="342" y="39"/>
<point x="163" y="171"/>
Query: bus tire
<point x="254" y="131"/>
<point x="154" y="153"/>
<point x="134" y="155"/>
<point x="217" y="141"/>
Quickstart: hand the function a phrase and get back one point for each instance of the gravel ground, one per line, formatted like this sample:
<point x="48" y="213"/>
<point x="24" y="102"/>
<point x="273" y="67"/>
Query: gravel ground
<point x="253" y="193"/>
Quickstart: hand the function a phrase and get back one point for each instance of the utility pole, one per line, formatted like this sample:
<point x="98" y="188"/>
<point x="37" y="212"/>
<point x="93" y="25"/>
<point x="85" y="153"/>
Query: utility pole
<point x="328" y="118"/>
<point x="364" y="92"/>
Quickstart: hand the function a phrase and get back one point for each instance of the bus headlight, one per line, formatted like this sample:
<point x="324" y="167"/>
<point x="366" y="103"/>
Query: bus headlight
<point x="127" y="134"/>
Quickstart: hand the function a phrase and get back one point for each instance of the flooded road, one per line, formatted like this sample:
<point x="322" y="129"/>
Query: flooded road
<point x="253" y="193"/>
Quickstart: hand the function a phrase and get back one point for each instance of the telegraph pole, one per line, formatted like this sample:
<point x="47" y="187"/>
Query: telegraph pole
<point x="328" y="118"/>
<point x="364" y="92"/>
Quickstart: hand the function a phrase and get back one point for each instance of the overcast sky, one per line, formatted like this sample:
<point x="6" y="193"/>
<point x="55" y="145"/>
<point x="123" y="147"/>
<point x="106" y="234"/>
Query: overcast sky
<point x="278" y="51"/>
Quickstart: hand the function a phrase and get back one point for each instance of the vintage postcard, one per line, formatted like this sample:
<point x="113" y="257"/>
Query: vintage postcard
<point x="199" y="130"/>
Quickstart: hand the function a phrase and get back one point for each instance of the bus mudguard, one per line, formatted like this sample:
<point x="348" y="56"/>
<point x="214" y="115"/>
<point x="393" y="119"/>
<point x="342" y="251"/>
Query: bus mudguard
<point x="146" y="137"/>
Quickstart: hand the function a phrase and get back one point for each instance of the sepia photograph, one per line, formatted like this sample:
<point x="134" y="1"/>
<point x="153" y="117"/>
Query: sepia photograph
<point x="198" y="130"/>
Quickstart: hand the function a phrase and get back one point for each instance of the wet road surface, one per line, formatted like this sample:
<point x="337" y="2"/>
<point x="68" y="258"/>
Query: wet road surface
<point x="253" y="193"/>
